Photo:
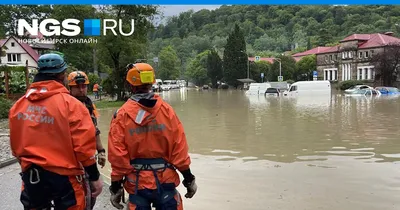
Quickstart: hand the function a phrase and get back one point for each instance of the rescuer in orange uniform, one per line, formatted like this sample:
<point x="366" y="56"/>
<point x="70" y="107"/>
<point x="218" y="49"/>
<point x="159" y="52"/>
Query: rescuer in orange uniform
<point x="53" y="138"/>
<point x="77" y="82"/>
<point x="96" y="91"/>
<point x="146" y="144"/>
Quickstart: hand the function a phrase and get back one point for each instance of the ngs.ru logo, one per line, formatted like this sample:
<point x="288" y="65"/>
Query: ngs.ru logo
<point x="70" y="27"/>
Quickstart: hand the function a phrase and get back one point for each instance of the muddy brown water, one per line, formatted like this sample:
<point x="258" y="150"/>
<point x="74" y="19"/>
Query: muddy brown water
<point x="257" y="152"/>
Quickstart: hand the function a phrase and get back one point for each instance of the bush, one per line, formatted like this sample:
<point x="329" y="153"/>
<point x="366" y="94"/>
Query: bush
<point x="350" y="83"/>
<point x="108" y="86"/>
<point x="290" y="81"/>
<point x="5" y="106"/>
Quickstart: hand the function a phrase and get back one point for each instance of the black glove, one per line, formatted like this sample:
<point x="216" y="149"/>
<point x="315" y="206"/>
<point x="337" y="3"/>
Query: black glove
<point x="191" y="187"/>
<point x="117" y="194"/>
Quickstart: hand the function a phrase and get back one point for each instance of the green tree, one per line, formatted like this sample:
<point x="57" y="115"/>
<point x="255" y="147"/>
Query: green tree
<point x="288" y="68"/>
<point x="118" y="51"/>
<point x="169" y="64"/>
<point x="79" y="54"/>
<point x="197" y="70"/>
<point x="256" y="68"/>
<point x="214" y="67"/>
<point x="235" y="58"/>
<point x="10" y="14"/>
<point x="305" y="66"/>
<point x="387" y="65"/>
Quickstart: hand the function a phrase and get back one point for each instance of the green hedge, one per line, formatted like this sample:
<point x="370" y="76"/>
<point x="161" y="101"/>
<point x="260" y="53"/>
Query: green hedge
<point x="5" y="106"/>
<point x="350" y="83"/>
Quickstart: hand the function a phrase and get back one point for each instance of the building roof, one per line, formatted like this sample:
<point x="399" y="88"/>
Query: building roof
<point x="297" y="59"/>
<point x="330" y="50"/>
<point x="354" y="37"/>
<point x="246" y="80"/>
<point x="271" y="60"/>
<point x="372" y="40"/>
<point x="28" y="49"/>
<point x="39" y="36"/>
<point x="313" y="51"/>
<point x="47" y="46"/>
<point x="378" y="40"/>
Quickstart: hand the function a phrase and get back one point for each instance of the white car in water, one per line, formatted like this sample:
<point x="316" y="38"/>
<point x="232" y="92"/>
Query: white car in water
<point x="365" y="92"/>
<point x="356" y="88"/>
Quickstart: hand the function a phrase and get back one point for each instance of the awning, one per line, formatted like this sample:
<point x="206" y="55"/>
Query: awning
<point x="246" y="80"/>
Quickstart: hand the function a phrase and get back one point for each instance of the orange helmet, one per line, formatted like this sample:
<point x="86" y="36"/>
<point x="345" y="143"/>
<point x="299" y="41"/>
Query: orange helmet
<point x="140" y="74"/>
<point x="77" y="77"/>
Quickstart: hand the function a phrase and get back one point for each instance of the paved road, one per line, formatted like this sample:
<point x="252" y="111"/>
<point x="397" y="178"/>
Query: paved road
<point x="10" y="185"/>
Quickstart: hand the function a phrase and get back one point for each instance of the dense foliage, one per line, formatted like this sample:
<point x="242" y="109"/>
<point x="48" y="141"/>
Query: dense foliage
<point x="228" y="34"/>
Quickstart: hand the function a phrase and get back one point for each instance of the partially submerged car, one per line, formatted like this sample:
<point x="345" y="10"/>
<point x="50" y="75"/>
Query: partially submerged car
<point x="365" y="92"/>
<point x="272" y="92"/>
<point x="356" y="88"/>
<point x="388" y="90"/>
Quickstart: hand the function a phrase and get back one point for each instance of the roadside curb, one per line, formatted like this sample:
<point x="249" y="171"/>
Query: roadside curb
<point x="8" y="162"/>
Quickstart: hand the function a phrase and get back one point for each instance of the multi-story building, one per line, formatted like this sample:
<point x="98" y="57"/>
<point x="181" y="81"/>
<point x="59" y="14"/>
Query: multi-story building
<point x="350" y="60"/>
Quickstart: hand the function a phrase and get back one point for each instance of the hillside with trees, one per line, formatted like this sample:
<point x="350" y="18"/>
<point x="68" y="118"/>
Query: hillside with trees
<point x="194" y="45"/>
<point x="269" y="31"/>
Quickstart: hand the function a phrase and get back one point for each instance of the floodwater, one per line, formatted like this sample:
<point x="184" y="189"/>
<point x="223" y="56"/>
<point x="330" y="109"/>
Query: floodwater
<point x="256" y="152"/>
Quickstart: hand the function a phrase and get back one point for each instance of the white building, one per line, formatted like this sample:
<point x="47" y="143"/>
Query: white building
<point x="18" y="53"/>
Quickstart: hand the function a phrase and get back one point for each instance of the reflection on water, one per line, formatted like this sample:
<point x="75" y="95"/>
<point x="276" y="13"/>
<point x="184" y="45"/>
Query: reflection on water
<point x="348" y="136"/>
<point x="283" y="129"/>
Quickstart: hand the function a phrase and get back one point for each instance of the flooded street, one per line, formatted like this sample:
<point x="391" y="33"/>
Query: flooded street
<point x="255" y="152"/>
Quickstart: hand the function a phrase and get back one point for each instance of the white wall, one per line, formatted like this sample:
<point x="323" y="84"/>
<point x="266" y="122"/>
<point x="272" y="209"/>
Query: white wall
<point x="17" y="49"/>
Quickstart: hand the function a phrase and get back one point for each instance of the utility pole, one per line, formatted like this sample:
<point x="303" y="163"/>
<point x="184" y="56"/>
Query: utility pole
<point x="95" y="70"/>
<point x="248" y="68"/>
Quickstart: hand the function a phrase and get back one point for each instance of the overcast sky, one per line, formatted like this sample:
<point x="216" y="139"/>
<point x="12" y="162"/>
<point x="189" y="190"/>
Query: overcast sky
<point x="170" y="10"/>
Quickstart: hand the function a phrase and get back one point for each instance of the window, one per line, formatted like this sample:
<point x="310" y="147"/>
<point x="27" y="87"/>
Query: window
<point x="326" y="58"/>
<point x="366" y="54"/>
<point x="12" y="44"/>
<point x="336" y="57"/>
<point x="350" y="54"/>
<point x="330" y="58"/>
<point x="293" y="88"/>
<point x="360" y="55"/>
<point x="14" y="58"/>
<point x="372" y="52"/>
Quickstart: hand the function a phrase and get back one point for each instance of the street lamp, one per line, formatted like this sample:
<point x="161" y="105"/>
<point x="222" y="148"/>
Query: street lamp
<point x="280" y="65"/>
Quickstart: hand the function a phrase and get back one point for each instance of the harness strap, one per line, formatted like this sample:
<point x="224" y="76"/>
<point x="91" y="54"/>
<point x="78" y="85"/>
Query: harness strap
<point x="149" y="164"/>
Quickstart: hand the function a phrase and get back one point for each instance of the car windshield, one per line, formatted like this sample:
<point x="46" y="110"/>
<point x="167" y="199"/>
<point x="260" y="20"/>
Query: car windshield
<point x="271" y="90"/>
<point x="361" y="91"/>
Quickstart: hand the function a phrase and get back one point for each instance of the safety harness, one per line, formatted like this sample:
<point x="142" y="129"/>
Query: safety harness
<point x="155" y="165"/>
<point x="36" y="180"/>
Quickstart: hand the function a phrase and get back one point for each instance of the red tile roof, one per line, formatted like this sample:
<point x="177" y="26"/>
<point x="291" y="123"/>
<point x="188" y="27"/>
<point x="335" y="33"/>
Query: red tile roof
<point x="372" y="40"/>
<point x="39" y="36"/>
<point x="377" y="40"/>
<point x="330" y="50"/>
<point x="271" y="60"/>
<point x="297" y="59"/>
<point x="30" y="51"/>
<point x="311" y="52"/>
<point x="356" y="37"/>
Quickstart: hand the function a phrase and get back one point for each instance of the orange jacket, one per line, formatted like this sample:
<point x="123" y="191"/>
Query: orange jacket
<point x="52" y="129"/>
<point x="160" y="134"/>
<point x="95" y="87"/>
